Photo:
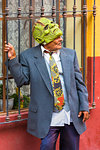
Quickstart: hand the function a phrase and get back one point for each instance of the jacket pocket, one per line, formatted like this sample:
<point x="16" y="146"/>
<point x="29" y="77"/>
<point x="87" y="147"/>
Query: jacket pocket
<point x="33" y="109"/>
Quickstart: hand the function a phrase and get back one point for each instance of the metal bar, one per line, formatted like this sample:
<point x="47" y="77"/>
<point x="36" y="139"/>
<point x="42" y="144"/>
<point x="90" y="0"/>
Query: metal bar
<point x="30" y="2"/>
<point x="7" y="10"/>
<point x="59" y="11"/>
<point x="6" y="3"/>
<point x="53" y="10"/>
<point x="30" y="32"/>
<point x="84" y="2"/>
<point x="42" y="2"/>
<point x="19" y="40"/>
<point x="42" y="9"/>
<point x="3" y="57"/>
<point x="74" y="2"/>
<point x="94" y="14"/>
<point x="19" y="17"/>
<point x="94" y="63"/>
<point x="74" y="14"/>
<point x="7" y="118"/>
<point x="1" y="123"/>
<point x="64" y="32"/>
<point x="84" y="39"/>
<point x="64" y="23"/>
<point x="18" y="3"/>
<point x="19" y="114"/>
<point x="74" y="34"/>
<point x="84" y="53"/>
<point x="94" y="2"/>
<point x="30" y="16"/>
<point x="53" y="3"/>
<point x="49" y="16"/>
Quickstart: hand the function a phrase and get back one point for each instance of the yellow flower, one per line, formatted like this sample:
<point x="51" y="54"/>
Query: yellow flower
<point x="21" y="96"/>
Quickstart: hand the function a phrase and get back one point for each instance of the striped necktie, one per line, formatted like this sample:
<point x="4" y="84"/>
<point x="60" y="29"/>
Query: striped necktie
<point x="56" y="83"/>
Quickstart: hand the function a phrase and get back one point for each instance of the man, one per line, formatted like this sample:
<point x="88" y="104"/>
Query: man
<point x="59" y="99"/>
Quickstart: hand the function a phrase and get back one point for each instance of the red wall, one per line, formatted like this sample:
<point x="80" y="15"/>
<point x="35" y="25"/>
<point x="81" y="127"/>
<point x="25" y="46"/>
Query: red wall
<point x="90" y="78"/>
<point x="15" y="137"/>
<point x="90" y="140"/>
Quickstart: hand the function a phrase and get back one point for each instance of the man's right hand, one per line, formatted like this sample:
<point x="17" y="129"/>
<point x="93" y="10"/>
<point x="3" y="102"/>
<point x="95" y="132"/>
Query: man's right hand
<point x="11" y="51"/>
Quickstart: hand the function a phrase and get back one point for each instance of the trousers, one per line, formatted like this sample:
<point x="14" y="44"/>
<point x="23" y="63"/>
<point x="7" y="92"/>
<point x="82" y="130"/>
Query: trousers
<point x="69" y="138"/>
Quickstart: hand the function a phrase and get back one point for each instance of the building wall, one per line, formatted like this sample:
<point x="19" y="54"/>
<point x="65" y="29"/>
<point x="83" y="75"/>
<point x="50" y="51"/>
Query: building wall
<point x="14" y="136"/>
<point x="90" y="45"/>
<point x="90" y="140"/>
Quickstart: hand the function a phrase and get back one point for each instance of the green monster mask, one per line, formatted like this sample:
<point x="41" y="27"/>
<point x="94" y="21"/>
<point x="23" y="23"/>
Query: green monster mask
<point x="45" y="31"/>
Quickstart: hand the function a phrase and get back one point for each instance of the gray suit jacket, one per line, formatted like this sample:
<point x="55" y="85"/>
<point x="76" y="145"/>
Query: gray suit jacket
<point x="32" y="69"/>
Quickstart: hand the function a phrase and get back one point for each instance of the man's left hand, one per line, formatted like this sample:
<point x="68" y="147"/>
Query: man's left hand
<point x="85" y="114"/>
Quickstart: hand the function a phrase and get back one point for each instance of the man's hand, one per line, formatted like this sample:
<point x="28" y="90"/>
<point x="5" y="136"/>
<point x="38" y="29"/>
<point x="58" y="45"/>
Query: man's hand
<point x="85" y="114"/>
<point x="11" y="51"/>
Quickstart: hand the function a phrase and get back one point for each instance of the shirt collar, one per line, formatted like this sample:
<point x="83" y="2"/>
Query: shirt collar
<point x="43" y="49"/>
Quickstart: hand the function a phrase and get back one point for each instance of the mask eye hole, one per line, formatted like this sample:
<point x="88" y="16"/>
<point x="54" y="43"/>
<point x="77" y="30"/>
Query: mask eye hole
<point x="46" y="27"/>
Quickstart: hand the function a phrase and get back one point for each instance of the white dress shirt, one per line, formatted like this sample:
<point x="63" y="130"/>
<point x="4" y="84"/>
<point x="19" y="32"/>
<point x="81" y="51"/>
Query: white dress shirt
<point x="62" y="117"/>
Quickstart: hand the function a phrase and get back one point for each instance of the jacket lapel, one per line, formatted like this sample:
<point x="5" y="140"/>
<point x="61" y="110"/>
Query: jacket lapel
<point x="41" y="66"/>
<point x="65" y="60"/>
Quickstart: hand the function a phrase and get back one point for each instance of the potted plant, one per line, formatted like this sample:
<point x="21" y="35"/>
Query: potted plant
<point x="24" y="100"/>
<point x="10" y="100"/>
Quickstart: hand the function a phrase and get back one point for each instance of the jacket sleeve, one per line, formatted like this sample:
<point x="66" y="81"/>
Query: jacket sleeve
<point x="20" y="71"/>
<point x="81" y="88"/>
